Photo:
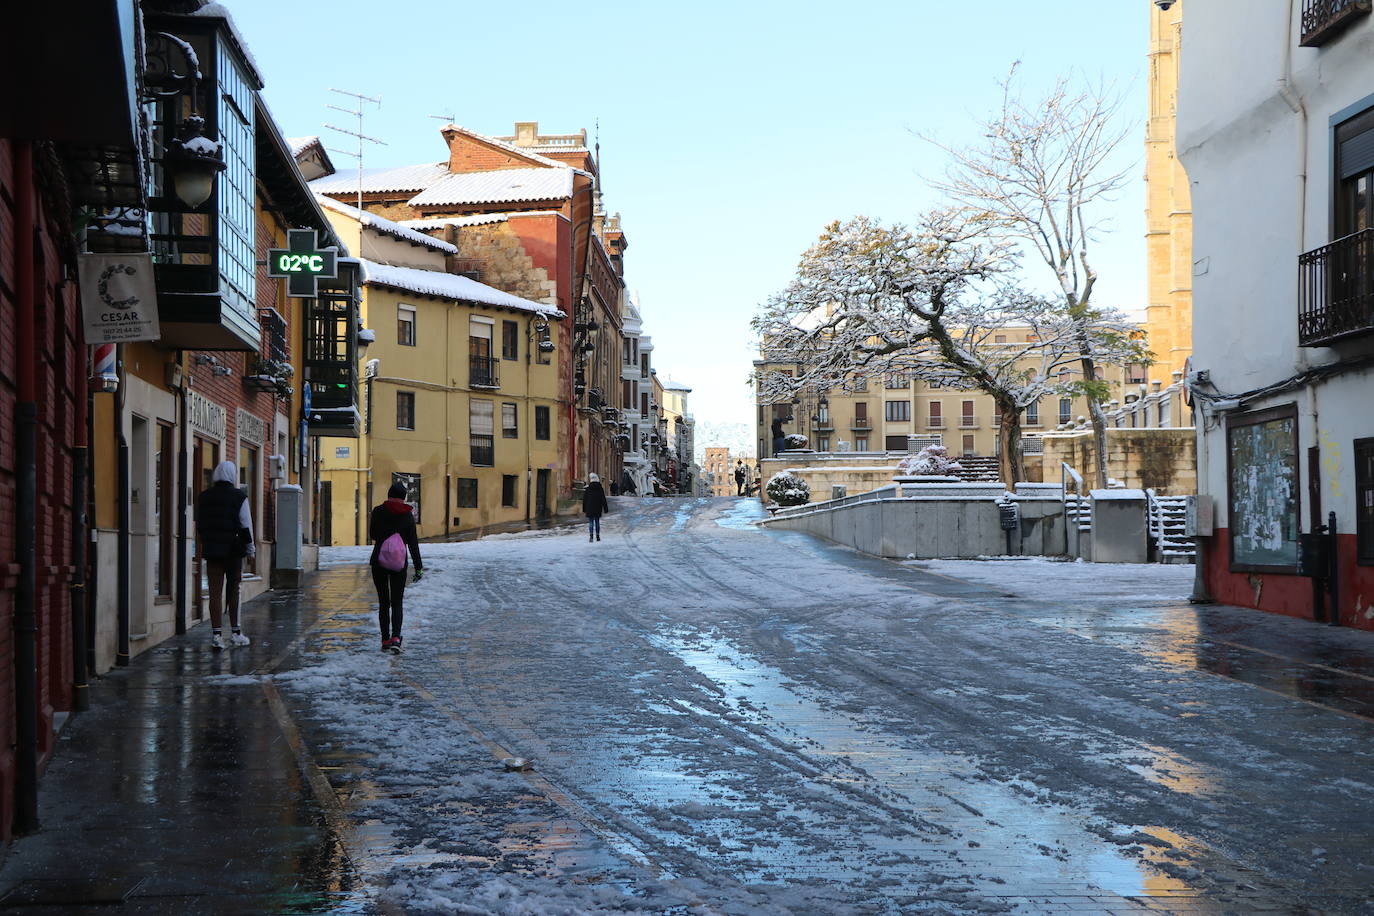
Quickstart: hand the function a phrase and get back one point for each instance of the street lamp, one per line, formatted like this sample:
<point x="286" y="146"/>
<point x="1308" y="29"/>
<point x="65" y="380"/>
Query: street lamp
<point x="193" y="162"/>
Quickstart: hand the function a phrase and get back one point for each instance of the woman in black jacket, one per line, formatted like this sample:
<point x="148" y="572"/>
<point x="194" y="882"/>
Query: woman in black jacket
<point x="394" y="516"/>
<point x="594" y="503"/>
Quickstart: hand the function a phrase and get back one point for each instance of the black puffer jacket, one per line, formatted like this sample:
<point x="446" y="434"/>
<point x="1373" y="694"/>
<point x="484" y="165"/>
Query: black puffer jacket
<point x="594" y="501"/>
<point x="217" y="522"/>
<point x="394" y="517"/>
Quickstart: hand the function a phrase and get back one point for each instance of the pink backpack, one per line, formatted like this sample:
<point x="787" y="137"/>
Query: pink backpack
<point x="392" y="556"/>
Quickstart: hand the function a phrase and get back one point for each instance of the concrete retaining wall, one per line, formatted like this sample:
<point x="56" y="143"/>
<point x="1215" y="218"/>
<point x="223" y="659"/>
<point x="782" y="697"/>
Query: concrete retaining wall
<point x="931" y="527"/>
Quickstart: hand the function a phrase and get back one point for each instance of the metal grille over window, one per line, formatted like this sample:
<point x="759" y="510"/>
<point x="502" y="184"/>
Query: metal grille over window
<point x="481" y="432"/>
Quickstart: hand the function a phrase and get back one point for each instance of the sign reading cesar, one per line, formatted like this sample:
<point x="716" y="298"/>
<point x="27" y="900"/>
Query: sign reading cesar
<point x="302" y="263"/>
<point x="118" y="298"/>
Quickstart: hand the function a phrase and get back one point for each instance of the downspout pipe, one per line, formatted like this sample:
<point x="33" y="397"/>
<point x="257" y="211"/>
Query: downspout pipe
<point x="122" y="495"/>
<point x="183" y="502"/>
<point x="26" y="506"/>
<point x="81" y="700"/>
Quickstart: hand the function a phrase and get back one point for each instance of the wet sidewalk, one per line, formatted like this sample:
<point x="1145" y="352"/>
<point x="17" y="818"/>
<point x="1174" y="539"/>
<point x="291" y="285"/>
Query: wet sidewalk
<point x="181" y="790"/>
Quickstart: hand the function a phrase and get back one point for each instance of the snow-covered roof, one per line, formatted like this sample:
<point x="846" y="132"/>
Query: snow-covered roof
<point x="481" y="219"/>
<point x="217" y="11"/>
<point x="498" y="187"/>
<point x="523" y="152"/>
<point x="671" y="385"/>
<point x="449" y="286"/>
<point x="395" y="178"/>
<point x="386" y="226"/>
<point x="299" y="145"/>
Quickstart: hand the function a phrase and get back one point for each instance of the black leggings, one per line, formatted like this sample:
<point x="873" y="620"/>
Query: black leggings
<point x="391" y="592"/>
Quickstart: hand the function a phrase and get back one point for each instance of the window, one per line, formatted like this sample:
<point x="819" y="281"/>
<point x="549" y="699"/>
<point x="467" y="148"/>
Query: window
<point x="896" y="380"/>
<point x="644" y="403"/>
<point x="1033" y="413"/>
<point x="541" y="422"/>
<point x="966" y="418"/>
<point x="627" y="396"/>
<point x="467" y="492"/>
<point x="405" y="410"/>
<point x="510" y="425"/>
<point x="860" y="384"/>
<point x="897" y="411"/>
<point x="861" y="413"/>
<point x="482" y="366"/>
<point x="508" y="484"/>
<point x="405" y="325"/>
<point x="1364" y="501"/>
<point x="510" y="340"/>
<point x="999" y="338"/>
<point x="1262" y="489"/>
<point x="1135" y="374"/>
<point x="822" y="443"/>
<point x="968" y="445"/>
<point x="482" y="445"/>
<point x="412" y="484"/>
<point x="237" y="185"/>
<point x="936" y="415"/>
<point x="860" y="443"/>
<point x="895" y="443"/>
<point x="1065" y="410"/>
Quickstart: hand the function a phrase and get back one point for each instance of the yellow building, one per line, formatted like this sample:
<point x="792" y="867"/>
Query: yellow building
<point x="460" y="392"/>
<point x="1168" y="207"/>
<point x="896" y="412"/>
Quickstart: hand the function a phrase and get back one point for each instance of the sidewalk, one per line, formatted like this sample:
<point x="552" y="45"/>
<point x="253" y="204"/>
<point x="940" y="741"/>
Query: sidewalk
<point x="181" y="791"/>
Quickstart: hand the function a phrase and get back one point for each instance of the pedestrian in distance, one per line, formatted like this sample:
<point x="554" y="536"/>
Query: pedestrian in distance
<point x="224" y="531"/>
<point x="740" y="476"/>
<point x="779" y="437"/>
<point x="594" y="504"/>
<point x="627" y="484"/>
<point x="392" y="532"/>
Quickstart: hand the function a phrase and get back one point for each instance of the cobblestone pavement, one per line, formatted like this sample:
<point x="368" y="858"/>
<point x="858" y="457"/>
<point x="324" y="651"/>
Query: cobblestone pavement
<point x="710" y="718"/>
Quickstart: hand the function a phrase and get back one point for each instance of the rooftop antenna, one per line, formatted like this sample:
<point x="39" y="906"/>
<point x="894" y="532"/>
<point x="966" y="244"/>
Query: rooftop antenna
<point x="596" y="155"/>
<point x="356" y="133"/>
<point x="447" y="119"/>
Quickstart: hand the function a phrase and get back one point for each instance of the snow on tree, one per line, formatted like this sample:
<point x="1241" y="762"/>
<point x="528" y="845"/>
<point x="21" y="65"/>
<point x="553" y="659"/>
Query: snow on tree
<point x="787" y="489"/>
<point x="1040" y="178"/>
<point x="927" y="301"/>
<point x="795" y="440"/>
<point x="933" y="460"/>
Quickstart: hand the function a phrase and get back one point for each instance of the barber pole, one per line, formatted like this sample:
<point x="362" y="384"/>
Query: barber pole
<point x="104" y="376"/>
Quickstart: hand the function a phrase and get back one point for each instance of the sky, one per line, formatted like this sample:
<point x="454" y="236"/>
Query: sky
<point x="731" y="133"/>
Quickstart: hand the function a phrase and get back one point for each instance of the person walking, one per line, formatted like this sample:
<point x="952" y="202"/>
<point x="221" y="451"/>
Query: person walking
<point x="779" y="437"/>
<point x="740" y="475"/>
<point x="594" y="503"/>
<point x="224" y="531"/>
<point x="394" y="518"/>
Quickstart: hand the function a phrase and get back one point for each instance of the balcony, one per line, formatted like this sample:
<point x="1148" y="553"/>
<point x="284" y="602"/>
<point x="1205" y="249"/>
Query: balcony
<point x="1322" y="20"/>
<point x="1336" y="290"/>
<point x="484" y="372"/>
<point x="860" y="423"/>
<point x="968" y="422"/>
<point x="935" y="423"/>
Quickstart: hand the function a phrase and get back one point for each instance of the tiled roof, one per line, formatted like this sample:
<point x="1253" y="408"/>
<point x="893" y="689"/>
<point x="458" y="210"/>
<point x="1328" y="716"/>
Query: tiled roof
<point x="299" y="145"/>
<point x="524" y="152"/>
<point x="450" y="286"/>
<point x="396" y="178"/>
<point x="498" y="187"/>
<point x="481" y="219"/>
<point x="386" y="226"/>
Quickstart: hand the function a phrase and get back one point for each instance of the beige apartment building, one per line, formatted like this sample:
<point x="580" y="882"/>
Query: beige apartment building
<point x="896" y="413"/>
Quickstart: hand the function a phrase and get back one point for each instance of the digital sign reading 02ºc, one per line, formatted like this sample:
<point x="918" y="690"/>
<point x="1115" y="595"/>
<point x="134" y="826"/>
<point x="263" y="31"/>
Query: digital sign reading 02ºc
<point x="303" y="263"/>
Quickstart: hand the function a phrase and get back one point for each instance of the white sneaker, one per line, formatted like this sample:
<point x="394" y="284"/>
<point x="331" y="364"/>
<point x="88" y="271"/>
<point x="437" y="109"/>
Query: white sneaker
<point x="217" y="641"/>
<point x="238" y="639"/>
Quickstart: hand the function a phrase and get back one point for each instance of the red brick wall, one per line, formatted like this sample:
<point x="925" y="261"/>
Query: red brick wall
<point x="466" y="154"/>
<point x="60" y="365"/>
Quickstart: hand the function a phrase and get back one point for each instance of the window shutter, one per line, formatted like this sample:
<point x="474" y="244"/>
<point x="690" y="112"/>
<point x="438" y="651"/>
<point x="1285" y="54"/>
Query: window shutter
<point x="1355" y="145"/>
<point x="480" y="418"/>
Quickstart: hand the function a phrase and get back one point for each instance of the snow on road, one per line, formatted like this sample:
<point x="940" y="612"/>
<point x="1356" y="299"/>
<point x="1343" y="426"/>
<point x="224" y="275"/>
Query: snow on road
<point x="739" y="721"/>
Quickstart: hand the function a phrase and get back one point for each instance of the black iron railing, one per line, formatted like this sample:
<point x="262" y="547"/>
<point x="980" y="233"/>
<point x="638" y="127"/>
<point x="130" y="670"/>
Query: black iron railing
<point x="484" y="372"/>
<point x="1323" y="19"/>
<point x="1336" y="290"/>
<point x="483" y="451"/>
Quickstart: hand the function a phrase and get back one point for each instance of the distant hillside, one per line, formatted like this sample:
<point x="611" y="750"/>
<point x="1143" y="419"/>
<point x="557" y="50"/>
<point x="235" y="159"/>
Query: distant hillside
<point x="737" y="437"/>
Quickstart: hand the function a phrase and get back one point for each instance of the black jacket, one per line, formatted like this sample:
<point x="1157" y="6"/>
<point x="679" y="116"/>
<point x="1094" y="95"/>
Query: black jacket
<point x="393" y="517"/>
<point x="777" y="429"/>
<point x="217" y="522"/>
<point x="594" y="501"/>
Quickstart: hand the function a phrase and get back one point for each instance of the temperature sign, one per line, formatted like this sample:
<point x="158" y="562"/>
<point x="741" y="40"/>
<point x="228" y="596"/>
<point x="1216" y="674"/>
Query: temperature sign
<point x="303" y="263"/>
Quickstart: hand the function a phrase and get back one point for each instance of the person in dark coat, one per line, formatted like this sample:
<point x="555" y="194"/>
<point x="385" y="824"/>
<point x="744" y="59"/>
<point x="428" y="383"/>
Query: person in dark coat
<point x="741" y="474"/>
<point x="627" y="484"/>
<point x="594" y="504"/>
<point x="224" y="531"/>
<point x="394" y="516"/>
<point x="779" y="437"/>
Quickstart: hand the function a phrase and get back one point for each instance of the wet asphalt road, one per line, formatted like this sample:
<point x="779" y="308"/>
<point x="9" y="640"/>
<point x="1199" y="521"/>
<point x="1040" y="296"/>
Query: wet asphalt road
<point x="723" y="720"/>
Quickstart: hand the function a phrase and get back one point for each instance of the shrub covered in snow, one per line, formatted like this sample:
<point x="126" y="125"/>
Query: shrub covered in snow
<point x="931" y="460"/>
<point x="795" y="440"/>
<point x="787" y="489"/>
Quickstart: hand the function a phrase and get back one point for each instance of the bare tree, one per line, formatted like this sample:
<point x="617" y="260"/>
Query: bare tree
<point x="1041" y="176"/>
<point x="870" y="300"/>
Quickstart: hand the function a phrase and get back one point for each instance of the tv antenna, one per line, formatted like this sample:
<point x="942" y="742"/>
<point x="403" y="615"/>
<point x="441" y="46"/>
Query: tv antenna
<point x="357" y="113"/>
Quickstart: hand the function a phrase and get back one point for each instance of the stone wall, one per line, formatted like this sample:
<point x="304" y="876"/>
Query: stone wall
<point x="1164" y="460"/>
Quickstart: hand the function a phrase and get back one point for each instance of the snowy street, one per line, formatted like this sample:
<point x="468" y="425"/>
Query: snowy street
<point x="711" y="717"/>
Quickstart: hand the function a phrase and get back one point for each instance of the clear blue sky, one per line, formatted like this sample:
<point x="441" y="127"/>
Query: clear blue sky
<point x="731" y="133"/>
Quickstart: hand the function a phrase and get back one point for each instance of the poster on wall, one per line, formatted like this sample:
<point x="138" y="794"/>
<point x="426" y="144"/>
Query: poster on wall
<point x="1262" y="467"/>
<point x="412" y="484"/>
<point x="118" y="298"/>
